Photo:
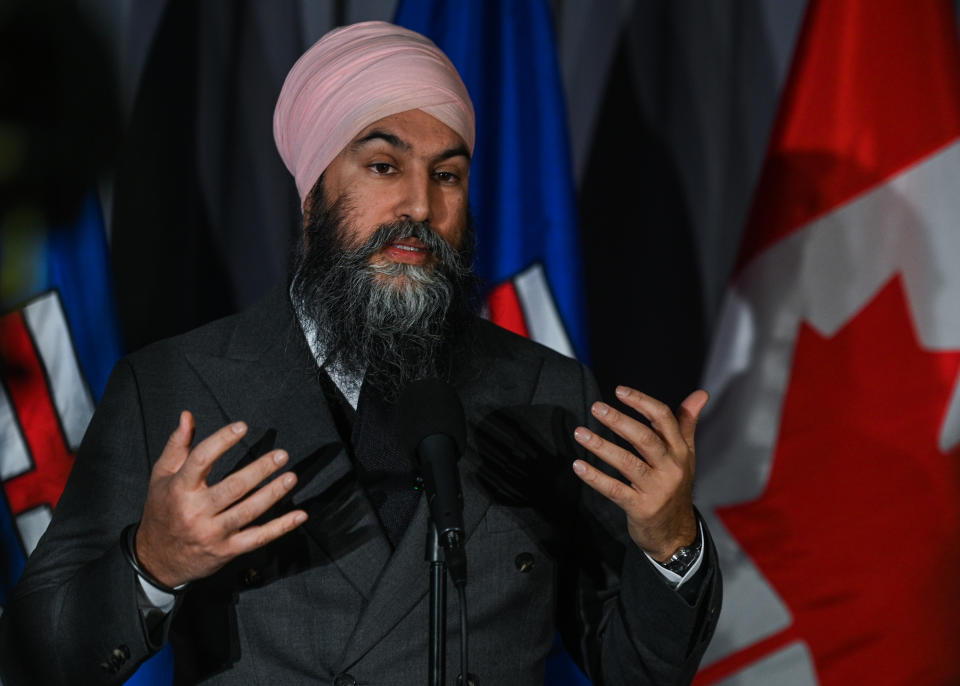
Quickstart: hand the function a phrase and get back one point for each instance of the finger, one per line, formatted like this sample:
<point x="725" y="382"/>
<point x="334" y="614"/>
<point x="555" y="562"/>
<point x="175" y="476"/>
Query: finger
<point x="258" y="536"/>
<point x="178" y="445"/>
<point x="689" y="413"/>
<point x="622" y="495"/>
<point x="645" y="440"/>
<point x="238" y="484"/>
<point x="257" y="503"/>
<point x="662" y="419"/>
<point x="625" y="462"/>
<point x="197" y="465"/>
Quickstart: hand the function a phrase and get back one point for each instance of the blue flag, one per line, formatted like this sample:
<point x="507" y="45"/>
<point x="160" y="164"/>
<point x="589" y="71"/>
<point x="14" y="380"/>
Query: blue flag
<point x="59" y="339"/>
<point x="521" y="181"/>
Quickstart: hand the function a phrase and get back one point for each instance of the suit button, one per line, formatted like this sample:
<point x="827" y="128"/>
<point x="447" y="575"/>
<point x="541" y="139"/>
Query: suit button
<point x="344" y="680"/>
<point x="115" y="660"/>
<point x="524" y="562"/>
<point x="251" y="578"/>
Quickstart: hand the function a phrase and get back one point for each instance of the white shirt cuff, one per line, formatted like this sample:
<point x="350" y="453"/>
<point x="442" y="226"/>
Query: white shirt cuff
<point x="153" y="598"/>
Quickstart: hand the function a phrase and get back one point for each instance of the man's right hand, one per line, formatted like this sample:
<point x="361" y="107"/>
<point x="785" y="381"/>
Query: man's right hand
<point x="190" y="530"/>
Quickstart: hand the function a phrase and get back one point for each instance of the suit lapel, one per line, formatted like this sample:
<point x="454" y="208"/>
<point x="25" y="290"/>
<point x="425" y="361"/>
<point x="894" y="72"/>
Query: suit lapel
<point x="484" y="380"/>
<point x="268" y="378"/>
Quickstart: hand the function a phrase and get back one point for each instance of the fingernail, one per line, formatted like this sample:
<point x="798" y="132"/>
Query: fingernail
<point x="600" y="409"/>
<point x="239" y="428"/>
<point x="300" y="518"/>
<point x="579" y="467"/>
<point x="279" y="457"/>
<point x="581" y="434"/>
<point x="289" y="480"/>
<point x="623" y="391"/>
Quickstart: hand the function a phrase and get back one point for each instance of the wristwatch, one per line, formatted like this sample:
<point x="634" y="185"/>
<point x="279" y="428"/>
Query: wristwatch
<point x="682" y="560"/>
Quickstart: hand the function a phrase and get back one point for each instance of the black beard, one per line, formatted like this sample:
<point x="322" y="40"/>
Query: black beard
<point x="390" y="323"/>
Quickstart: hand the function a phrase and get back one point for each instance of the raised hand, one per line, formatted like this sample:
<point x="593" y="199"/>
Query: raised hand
<point x="189" y="530"/>
<point x="658" y="498"/>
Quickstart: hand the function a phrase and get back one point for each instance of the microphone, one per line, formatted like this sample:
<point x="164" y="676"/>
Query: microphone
<point x="433" y="430"/>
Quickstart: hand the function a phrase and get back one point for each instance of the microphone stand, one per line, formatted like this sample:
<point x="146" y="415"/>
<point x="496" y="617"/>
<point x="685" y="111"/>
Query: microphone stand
<point x="438" y="609"/>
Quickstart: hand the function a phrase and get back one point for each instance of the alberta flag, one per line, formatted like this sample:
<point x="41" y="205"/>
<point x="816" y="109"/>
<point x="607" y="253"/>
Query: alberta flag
<point x="521" y="184"/>
<point x="829" y="462"/>
<point x="59" y="339"/>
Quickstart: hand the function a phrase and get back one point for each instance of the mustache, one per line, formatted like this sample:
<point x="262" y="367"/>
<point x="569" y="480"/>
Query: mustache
<point x="389" y="233"/>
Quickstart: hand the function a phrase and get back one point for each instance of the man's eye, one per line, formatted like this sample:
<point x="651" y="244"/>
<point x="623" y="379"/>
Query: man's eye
<point x="446" y="177"/>
<point x="382" y="167"/>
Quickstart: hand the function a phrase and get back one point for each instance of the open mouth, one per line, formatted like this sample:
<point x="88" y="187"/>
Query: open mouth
<point x="407" y="250"/>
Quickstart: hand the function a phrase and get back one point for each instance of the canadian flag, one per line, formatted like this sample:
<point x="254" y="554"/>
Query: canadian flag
<point x="829" y="467"/>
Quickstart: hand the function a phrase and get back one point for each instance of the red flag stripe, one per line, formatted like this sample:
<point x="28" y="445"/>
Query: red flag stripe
<point x="32" y="402"/>
<point x="872" y="90"/>
<point x="506" y="310"/>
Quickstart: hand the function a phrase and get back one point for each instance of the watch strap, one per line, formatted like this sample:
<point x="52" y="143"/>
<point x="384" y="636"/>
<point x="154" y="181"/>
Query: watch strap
<point x="683" y="558"/>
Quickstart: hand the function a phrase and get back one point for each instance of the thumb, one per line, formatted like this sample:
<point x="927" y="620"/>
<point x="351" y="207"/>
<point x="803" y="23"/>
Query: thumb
<point x="689" y="413"/>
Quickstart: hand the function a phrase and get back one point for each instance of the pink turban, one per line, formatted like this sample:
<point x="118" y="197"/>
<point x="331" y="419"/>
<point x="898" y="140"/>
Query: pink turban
<point x="354" y="76"/>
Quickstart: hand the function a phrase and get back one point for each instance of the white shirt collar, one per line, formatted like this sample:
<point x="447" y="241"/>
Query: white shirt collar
<point x="349" y="384"/>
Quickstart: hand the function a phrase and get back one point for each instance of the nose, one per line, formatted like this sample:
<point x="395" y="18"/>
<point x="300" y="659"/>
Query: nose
<point x="415" y="202"/>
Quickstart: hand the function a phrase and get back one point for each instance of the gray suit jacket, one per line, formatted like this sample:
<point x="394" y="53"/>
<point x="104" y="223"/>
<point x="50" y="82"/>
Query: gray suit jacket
<point x="332" y="598"/>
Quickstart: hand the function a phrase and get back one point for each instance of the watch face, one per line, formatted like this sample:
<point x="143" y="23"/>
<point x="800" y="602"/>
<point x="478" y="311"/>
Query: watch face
<point x="681" y="560"/>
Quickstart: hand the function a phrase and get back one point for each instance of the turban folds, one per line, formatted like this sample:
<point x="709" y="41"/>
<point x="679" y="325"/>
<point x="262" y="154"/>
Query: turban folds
<point x="354" y="76"/>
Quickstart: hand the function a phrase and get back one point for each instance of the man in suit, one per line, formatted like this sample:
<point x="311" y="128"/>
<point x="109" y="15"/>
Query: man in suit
<point x="287" y="546"/>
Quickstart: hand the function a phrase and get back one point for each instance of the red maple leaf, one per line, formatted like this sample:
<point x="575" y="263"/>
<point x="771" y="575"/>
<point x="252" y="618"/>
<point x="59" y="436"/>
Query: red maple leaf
<point x="859" y="527"/>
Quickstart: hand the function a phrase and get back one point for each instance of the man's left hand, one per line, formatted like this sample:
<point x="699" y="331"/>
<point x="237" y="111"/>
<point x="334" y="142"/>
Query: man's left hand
<point x="658" y="498"/>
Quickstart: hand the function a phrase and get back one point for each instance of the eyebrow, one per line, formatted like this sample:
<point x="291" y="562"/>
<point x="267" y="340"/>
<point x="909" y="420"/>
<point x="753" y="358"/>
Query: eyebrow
<point x="377" y="134"/>
<point x="397" y="142"/>
<point x="455" y="151"/>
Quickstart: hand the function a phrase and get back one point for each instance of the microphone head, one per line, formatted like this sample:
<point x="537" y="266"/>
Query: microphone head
<point x="427" y="407"/>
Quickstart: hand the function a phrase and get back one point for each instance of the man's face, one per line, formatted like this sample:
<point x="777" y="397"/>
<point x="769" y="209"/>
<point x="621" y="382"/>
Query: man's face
<point x="407" y="166"/>
<point x="385" y="275"/>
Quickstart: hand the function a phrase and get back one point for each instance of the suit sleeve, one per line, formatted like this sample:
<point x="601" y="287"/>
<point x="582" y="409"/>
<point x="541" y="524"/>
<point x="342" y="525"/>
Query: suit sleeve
<point x="633" y="627"/>
<point x="73" y="617"/>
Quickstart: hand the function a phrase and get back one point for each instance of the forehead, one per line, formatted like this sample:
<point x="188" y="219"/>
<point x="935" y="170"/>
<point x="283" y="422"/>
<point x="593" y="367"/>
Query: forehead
<point x="412" y="131"/>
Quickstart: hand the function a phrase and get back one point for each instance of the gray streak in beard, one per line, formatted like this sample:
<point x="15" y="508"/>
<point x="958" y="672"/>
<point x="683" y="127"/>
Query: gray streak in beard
<point x="389" y="320"/>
